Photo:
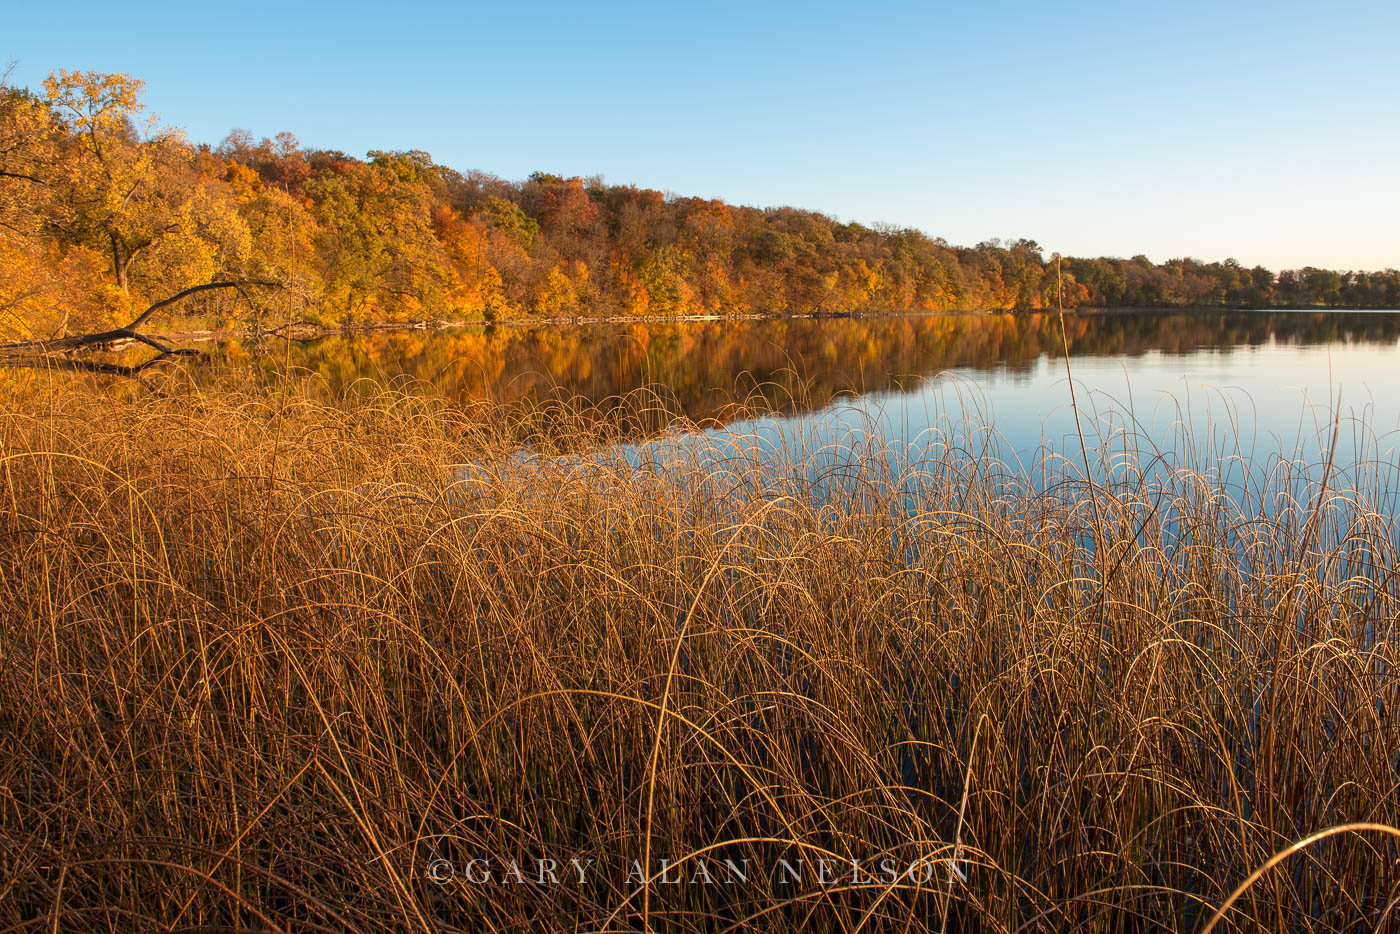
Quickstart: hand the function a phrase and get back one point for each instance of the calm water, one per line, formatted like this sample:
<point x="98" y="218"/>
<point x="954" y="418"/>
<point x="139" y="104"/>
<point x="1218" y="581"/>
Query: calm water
<point x="1206" y="383"/>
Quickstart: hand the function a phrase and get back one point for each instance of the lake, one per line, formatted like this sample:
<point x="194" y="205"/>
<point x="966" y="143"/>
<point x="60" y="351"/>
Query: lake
<point x="1211" y="382"/>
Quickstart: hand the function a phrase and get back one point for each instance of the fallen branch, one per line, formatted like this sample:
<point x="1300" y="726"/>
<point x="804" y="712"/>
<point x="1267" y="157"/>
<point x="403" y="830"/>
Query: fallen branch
<point x="97" y="340"/>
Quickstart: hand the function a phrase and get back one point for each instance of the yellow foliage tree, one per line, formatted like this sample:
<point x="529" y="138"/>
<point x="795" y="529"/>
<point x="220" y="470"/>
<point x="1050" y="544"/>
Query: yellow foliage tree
<point x="128" y="188"/>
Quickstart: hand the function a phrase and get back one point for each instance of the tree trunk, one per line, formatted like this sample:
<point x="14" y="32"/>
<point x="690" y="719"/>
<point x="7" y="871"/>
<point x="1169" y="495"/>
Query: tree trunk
<point x="118" y="266"/>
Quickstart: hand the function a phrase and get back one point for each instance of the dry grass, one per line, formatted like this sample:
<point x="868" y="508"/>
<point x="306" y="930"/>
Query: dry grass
<point x="265" y="657"/>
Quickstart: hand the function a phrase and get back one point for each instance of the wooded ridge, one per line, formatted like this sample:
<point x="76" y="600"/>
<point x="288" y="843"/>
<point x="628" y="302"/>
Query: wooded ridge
<point x="104" y="211"/>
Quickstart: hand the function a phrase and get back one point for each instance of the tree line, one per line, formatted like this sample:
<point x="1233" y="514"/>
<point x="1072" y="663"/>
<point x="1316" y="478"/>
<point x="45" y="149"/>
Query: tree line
<point x="103" y="210"/>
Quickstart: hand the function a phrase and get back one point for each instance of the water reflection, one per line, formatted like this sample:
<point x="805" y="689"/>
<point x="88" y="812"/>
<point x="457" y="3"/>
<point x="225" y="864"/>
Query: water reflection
<point x="796" y="363"/>
<point x="1252" y="382"/>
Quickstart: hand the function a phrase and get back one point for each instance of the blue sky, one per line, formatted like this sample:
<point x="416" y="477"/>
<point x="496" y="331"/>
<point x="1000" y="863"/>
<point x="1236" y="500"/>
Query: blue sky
<point x="1263" y="131"/>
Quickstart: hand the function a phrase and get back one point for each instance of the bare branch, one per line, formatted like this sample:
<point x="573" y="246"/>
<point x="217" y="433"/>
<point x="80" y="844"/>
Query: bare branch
<point x="22" y="176"/>
<point x="40" y="353"/>
<point x="222" y="284"/>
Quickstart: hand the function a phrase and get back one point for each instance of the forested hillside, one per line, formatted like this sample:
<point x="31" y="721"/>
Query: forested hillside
<point x="104" y="210"/>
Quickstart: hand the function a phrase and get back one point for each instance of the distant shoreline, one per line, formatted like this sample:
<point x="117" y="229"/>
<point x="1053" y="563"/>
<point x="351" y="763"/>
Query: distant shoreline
<point x="309" y="332"/>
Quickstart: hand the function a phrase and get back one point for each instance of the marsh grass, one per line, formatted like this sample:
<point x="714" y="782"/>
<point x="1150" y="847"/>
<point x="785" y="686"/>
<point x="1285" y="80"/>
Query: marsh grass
<point x="267" y="655"/>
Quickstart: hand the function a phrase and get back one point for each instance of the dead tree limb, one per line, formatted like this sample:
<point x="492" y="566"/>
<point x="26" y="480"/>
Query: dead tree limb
<point x="99" y="339"/>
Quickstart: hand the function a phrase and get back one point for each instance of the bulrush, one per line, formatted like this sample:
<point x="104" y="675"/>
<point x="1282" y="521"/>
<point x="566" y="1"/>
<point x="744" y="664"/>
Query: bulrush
<point x="276" y="660"/>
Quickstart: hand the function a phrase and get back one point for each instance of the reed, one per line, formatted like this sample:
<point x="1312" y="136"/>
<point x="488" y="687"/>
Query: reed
<point x="272" y="660"/>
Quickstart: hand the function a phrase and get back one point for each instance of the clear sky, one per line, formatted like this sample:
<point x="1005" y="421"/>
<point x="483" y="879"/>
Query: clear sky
<point x="1265" y="131"/>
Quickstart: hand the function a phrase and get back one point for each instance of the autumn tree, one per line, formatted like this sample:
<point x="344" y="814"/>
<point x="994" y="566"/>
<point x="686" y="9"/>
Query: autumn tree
<point x="376" y="247"/>
<point x="27" y="138"/>
<point x="477" y="287"/>
<point x="126" y="188"/>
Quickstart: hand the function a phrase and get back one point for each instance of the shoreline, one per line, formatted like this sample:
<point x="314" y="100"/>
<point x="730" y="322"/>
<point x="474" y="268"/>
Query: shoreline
<point x="310" y="332"/>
